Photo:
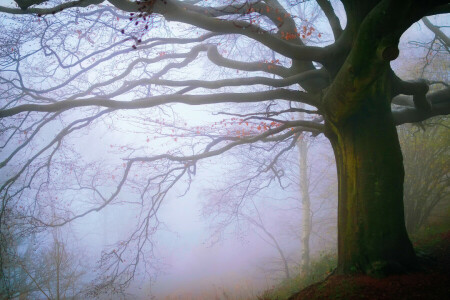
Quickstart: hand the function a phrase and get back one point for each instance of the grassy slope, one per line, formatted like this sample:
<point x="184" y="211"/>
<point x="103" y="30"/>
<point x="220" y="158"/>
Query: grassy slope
<point x="432" y="246"/>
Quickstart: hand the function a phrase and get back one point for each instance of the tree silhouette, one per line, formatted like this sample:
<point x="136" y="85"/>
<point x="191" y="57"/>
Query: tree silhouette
<point x="426" y="155"/>
<point x="96" y="69"/>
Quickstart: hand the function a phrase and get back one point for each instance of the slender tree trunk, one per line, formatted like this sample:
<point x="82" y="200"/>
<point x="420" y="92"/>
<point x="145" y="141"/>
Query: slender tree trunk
<point x="306" y="205"/>
<point x="372" y="236"/>
<point x="58" y="265"/>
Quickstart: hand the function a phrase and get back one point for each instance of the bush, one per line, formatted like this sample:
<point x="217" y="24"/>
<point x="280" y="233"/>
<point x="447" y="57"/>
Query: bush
<point x="320" y="268"/>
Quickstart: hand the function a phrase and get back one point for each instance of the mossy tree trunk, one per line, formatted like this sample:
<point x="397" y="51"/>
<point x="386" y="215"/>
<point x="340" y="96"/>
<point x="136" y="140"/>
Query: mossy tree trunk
<point x="372" y="236"/>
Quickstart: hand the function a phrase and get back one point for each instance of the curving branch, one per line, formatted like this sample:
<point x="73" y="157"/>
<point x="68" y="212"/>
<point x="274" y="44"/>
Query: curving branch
<point x="173" y="11"/>
<point x="25" y="6"/>
<point x="216" y="84"/>
<point x="440" y="105"/>
<point x="418" y="89"/>
<point x="333" y="20"/>
<point x="282" y="94"/>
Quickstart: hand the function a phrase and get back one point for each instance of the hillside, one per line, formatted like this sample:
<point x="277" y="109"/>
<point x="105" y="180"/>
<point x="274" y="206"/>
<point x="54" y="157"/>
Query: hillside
<point x="431" y="282"/>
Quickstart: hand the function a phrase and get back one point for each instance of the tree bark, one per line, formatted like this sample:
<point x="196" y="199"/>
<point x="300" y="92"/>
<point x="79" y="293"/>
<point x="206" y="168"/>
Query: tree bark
<point x="372" y="237"/>
<point x="306" y="205"/>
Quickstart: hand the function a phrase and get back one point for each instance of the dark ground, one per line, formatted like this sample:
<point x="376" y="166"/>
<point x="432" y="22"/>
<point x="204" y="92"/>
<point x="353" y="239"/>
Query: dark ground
<point x="432" y="282"/>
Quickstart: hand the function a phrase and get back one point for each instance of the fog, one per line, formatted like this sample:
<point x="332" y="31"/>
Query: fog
<point x="114" y="192"/>
<point x="191" y="259"/>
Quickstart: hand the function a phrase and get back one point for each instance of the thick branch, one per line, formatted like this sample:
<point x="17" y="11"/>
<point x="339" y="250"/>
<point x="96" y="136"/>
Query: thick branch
<point x="268" y="136"/>
<point x="46" y="11"/>
<point x="440" y="105"/>
<point x="219" y="60"/>
<point x="282" y="94"/>
<point x="418" y="89"/>
<point x="172" y="11"/>
<point x="216" y="84"/>
<point x="368" y="62"/>
<point x="335" y="24"/>
<point x="24" y="4"/>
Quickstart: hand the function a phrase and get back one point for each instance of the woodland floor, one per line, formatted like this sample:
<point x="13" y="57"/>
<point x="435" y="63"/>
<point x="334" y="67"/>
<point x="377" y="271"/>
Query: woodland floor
<point x="433" y="282"/>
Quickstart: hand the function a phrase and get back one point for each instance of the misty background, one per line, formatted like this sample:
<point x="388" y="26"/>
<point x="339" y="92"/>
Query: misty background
<point x="202" y="246"/>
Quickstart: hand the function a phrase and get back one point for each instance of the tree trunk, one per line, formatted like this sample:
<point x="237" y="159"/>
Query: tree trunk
<point x="306" y="205"/>
<point x="58" y="265"/>
<point x="372" y="236"/>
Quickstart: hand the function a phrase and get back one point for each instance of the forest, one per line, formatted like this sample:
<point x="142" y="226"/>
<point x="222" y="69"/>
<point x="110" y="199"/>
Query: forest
<point x="224" y="149"/>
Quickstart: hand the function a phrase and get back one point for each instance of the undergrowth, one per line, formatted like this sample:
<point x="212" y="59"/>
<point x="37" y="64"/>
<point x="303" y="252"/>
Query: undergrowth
<point x="320" y="268"/>
<point x="424" y="241"/>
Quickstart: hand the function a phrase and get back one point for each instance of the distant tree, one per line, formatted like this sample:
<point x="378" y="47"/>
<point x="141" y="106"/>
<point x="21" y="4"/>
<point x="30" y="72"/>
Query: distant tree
<point x="295" y="200"/>
<point x="39" y="267"/>
<point x="41" y="272"/>
<point x="425" y="145"/>
<point x="242" y="201"/>
<point x="73" y="69"/>
<point x="66" y="271"/>
<point x="426" y="153"/>
<point x="436" y="52"/>
<point x="317" y="186"/>
<point x="17" y="280"/>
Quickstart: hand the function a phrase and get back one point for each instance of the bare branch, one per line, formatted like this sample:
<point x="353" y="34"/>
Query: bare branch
<point x="283" y="94"/>
<point x="440" y="35"/>
<point x="175" y="12"/>
<point x="335" y="24"/>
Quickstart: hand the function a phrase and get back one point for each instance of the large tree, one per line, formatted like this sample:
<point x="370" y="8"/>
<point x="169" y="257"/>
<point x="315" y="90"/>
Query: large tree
<point x="74" y="67"/>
